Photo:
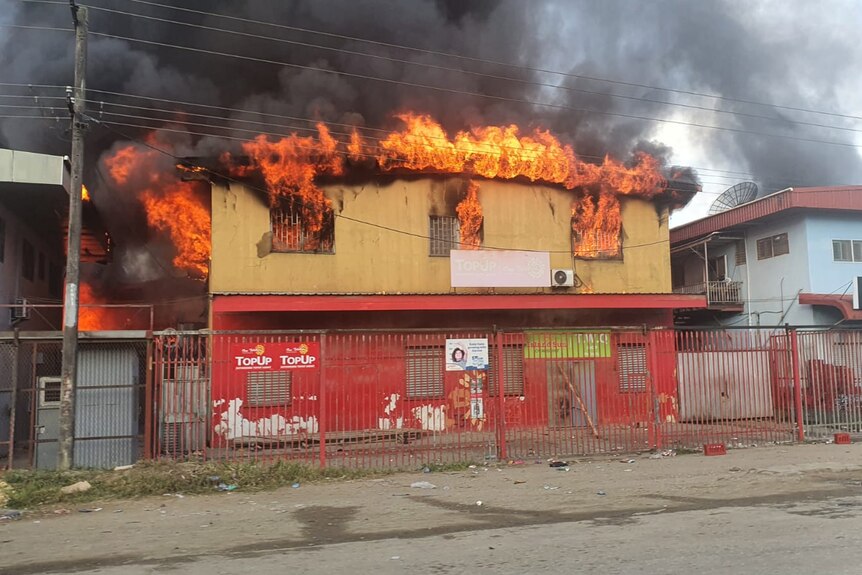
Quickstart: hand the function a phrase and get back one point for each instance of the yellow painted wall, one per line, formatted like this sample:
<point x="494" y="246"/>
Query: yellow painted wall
<point x="372" y="260"/>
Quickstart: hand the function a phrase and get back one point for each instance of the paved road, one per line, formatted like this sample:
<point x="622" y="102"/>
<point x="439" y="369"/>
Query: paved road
<point x="813" y="536"/>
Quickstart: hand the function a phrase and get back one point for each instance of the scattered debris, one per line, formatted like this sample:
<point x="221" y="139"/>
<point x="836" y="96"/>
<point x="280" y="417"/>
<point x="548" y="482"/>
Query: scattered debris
<point x="562" y="468"/>
<point x="551" y="487"/>
<point x="558" y="463"/>
<point x="735" y="469"/>
<point x="426" y="470"/>
<point x="177" y="495"/>
<point x="90" y="510"/>
<point x="214" y="479"/>
<point x="471" y="467"/>
<point x="79" y="487"/>
<point x="519" y="482"/>
<point x="295" y="485"/>
<point x="10" y="515"/>
<point x="123" y="467"/>
<point x="600" y="493"/>
<point x="423" y="485"/>
<point x="225" y="487"/>
<point x="61" y="512"/>
<point x="479" y="503"/>
<point x="627" y="461"/>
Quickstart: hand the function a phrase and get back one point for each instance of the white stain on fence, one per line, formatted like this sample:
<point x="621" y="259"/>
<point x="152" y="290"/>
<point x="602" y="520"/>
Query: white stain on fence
<point x="390" y="421"/>
<point x="431" y="417"/>
<point x="233" y="424"/>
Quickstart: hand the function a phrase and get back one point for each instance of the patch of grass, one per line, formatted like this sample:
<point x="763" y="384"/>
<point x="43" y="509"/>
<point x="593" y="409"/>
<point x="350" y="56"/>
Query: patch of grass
<point x="30" y="489"/>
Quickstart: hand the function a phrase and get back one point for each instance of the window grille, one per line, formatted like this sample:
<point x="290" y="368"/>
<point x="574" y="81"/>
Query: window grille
<point x="513" y="370"/>
<point x="265" y="388"/>
<point x="425" y="372"/>
<point x="445" y="233"/>
<point x="632" y="365"/>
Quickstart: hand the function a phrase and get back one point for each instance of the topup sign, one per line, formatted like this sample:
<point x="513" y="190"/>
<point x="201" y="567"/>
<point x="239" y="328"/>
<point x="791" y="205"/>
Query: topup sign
<point x="275" y="356"/>
<point x="567" y="345"/>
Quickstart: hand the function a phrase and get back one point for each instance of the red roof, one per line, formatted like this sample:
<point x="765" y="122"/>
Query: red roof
<point x="843" y="303"/>
<point x="825" y="198"/>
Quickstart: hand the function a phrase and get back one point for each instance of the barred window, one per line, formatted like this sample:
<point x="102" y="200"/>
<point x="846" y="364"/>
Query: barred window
<point x="513" y="371"/>
<point x="595" y="244"/>
<point x="290" y="232"/>
<point x="632" y="365"/>
<point x="424" y="372"/>
<point x="445" y="234"/>
<point x="266" y="388"/>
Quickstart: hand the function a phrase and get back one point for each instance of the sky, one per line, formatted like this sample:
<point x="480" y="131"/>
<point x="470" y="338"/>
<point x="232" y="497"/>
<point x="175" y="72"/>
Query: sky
<point x="737" y="90"/>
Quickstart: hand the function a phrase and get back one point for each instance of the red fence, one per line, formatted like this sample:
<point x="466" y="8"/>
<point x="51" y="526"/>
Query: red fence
<point x="399" y="399"/>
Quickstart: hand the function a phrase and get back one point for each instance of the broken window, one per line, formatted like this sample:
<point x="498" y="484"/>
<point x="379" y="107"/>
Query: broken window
<point x="445" y="235"/>
<point x="597" y="227"/>
<point x="296" y="229"/>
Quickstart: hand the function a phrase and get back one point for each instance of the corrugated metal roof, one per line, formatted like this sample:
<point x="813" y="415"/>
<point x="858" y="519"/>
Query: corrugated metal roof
<point x="822" y="198"/>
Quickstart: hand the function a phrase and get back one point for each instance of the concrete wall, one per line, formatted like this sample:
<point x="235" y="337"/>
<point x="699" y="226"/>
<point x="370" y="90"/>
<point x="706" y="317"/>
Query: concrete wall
<point x="14" y="285"/>
<point x="827" y="275"/>
<point x="368" y="259"/>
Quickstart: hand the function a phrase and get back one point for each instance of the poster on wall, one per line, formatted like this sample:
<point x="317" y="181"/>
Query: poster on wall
<point x="275" y="356"/>
<point x="466" y="354"/>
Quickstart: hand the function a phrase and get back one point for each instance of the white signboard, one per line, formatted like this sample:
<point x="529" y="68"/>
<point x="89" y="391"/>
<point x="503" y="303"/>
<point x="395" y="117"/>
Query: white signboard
<point x="500" y="268"/>
<point x="466" y="354"/>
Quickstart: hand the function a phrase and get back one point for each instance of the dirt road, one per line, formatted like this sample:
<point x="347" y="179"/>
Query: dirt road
<point x="726" y="501"/>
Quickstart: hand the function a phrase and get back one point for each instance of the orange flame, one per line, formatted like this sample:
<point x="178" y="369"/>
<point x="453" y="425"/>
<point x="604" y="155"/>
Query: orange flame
<point x="172" y="206"/>
<point x="291" y="165"/>
<point x="91" y="318"/>
<point x="85" y="194"/>
<point x="469" y="212"/>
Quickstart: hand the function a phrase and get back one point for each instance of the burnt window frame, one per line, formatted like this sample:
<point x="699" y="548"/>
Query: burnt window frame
<point x="292" y="210"/>
<point x="603" y="255"/>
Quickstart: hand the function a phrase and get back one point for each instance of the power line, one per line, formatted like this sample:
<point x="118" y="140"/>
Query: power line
<point x="51" y="28"/>
<point x="477" y="74"/>
<point x="473" y="94"/>
<point x="493" y="62"/>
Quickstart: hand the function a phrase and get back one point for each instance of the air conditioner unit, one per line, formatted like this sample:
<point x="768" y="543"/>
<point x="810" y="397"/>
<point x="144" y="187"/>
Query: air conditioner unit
<point x="21" y="310"/>
<point x="857" y="294"/>
<point x="563" y="278"/>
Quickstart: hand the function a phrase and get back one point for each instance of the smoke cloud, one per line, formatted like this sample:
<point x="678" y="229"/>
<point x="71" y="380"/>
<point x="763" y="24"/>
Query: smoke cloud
<point x="800" y="56"/>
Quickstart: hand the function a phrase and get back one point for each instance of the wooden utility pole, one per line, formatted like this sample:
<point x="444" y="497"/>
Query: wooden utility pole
<point x="69" y="369"/>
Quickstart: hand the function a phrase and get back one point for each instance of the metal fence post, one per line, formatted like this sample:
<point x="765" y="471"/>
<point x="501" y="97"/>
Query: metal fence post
<point x="149" y="448"/>
<point x="321" y="419"/>
<point x="13" y="400"/>
<point x="797" y="384"/>
<point x="501" y="398"/>
<point x="655" y="409"/>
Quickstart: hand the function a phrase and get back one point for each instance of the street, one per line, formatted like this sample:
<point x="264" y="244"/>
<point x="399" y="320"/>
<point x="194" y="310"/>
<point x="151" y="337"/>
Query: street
<point x="782" y="509"/>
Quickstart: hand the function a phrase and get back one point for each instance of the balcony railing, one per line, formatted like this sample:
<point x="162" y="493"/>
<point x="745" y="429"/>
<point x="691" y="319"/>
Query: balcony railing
<point x="718" y="293"/>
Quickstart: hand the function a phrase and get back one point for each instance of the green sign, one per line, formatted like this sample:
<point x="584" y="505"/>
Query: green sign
<point x="568" y="344"/>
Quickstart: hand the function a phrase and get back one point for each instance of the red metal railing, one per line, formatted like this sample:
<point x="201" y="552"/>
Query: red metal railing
<point x="398" y="400"/>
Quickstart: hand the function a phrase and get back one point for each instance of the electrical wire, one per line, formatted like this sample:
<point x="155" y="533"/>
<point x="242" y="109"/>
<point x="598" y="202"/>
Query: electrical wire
<point x="488" y="61"/>
<point x="783" y="121"/>
<point x="473" y="94"/>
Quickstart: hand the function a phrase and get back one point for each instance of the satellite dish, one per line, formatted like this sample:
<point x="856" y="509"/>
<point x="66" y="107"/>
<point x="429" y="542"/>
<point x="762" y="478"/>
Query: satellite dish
<point x="734" y="196"/>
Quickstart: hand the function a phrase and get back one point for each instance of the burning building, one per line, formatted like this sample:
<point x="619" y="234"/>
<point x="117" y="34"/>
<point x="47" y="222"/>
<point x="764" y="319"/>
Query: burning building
<point x="423" y="229"/>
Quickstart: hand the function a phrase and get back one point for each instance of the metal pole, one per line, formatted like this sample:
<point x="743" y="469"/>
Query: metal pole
<point x="797" y="386"/>
<point x="68" y="373"/>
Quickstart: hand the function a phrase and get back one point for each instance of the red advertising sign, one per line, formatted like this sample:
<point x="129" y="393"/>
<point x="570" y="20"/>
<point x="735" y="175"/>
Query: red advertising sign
<point x="275" y="356"/>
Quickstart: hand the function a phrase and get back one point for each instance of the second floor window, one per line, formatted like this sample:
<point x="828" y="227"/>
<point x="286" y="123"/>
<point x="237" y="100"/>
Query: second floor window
<point x="847" y="250"/>
<point x="28" y="261"/>
<point x="445" y="233"/>
<point x="773" y="246"/>
<point x="291" y="233"/>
